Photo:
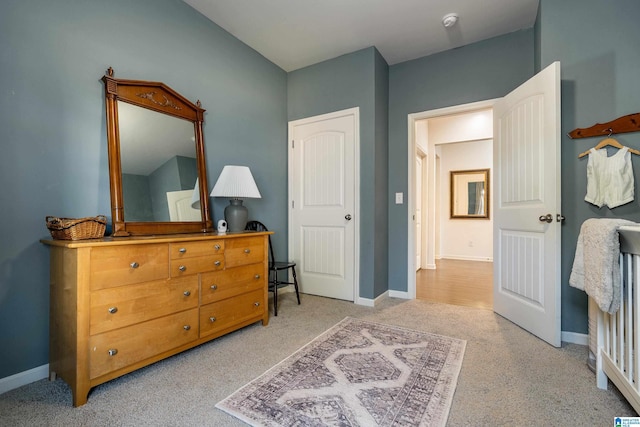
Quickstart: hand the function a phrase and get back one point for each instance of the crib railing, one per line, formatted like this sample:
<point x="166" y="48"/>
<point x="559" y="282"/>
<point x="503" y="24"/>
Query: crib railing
<point x="618" y="334"/>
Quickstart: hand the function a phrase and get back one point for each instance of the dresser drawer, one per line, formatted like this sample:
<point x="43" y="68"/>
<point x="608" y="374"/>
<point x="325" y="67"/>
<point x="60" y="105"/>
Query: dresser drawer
<point x="226" y="313"/>
<point x="122" y="265"/>
<point x="114" y="308"/>
<point x="136" y="343"/>
<point x="231" y="282"/>
<point x="195" y="249"/>
<point x="188" y="266"/>
<point x="243" y="251"/>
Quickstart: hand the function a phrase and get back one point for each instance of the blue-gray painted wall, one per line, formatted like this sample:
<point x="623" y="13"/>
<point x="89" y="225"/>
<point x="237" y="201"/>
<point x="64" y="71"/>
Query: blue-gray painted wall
<point x="597" y="43"/>
<point x="53" y="135"/>
<point x="355" y="80"/>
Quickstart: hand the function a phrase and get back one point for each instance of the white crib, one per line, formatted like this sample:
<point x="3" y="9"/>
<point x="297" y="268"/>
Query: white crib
<point x="618" y="335"/>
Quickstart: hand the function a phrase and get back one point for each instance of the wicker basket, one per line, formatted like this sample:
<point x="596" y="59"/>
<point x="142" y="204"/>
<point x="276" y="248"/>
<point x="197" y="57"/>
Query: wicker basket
<point x="77" y="228"/>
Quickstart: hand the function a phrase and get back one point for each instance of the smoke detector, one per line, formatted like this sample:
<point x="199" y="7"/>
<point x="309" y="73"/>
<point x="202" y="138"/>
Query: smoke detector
<point x="449" y="20"/>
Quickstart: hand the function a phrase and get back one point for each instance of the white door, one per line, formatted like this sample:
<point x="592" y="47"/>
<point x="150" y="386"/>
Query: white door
<point x="323" y="217"/>
<point x="526" y="190"/>
<point x="180" y="206"/>
<point x="418" y="235"/>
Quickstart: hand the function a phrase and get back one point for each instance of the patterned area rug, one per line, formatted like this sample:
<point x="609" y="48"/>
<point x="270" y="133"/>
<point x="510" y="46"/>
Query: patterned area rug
<point x="357" y="373"/>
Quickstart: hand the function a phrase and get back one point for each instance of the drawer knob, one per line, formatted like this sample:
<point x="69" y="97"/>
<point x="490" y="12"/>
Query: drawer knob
<point x="216" y="247"/>
<point x="186" y="327"/>
<point x="182" y="268"/>
<point x="257" y="304"/>
<point x="217" y="263"/>
<point x="113" y="310"/>
<point x="134" y="265"/>
<point x="186" y="293"/>
<point x="113" y="351"/>
<point x="214" y="287"/>
<point x="212" y="319"/>
<point x="246" y="251"/>
<point x="182" y="250"/>
<point x="257" y="276"/>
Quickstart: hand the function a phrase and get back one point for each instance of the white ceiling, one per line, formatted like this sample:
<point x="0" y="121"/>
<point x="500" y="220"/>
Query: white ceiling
<point x="297" y="33"/>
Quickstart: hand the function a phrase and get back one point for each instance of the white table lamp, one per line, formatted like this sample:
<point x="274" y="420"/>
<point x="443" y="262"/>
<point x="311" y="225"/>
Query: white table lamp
<point x="236" y="183"/>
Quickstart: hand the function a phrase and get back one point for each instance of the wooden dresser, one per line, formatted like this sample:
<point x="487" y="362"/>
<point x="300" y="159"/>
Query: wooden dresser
<point x="118" y="304"/>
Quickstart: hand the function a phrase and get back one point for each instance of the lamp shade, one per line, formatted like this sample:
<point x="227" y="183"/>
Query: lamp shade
<point x="236" y="182"/>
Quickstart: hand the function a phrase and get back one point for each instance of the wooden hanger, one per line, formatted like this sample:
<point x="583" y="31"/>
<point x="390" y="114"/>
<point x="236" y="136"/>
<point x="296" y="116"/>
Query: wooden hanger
<point x="608" y="142"/>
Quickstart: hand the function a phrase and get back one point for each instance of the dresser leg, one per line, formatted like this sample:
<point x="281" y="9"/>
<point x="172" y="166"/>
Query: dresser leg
<point x="52" y="375"/>
<point x="80" y="396"/>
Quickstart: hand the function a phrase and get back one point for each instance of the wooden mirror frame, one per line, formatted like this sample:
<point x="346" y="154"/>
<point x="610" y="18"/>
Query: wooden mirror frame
<point x="452" y="195"/>
<point x="157" y="97"/>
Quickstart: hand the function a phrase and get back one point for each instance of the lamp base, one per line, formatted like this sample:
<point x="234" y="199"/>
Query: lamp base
<point x="236" y="215"/>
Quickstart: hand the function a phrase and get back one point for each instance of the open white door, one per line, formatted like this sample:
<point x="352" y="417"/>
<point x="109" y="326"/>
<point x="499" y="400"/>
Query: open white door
<point x="527" y="205"/>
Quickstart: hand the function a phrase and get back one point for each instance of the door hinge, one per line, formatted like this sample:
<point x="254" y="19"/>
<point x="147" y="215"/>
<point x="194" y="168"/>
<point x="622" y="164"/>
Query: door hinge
<point x="293" y="204"/>
<point x="293" y="144"/>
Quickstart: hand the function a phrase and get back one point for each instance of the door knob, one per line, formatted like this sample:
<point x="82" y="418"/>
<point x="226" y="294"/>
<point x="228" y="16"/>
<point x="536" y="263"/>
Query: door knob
<point x="347" y="217"/>
<point x="546" y="218"/>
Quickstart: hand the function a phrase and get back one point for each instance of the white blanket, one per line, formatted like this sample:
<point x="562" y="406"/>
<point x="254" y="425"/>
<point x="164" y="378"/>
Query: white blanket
<point x="596" y="264"/>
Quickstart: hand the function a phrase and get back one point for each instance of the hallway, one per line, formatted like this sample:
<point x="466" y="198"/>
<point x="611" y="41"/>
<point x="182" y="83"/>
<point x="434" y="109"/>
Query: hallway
<point x="457" y="282"/>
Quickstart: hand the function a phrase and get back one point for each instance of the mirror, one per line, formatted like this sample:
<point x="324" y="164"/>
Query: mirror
<point x="470" y="194"/>
<point x="156" y="159"/>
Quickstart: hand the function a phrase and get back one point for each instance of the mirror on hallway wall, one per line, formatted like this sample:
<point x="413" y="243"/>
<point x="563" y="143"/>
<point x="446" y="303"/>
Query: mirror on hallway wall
<point x="470" y="194"/>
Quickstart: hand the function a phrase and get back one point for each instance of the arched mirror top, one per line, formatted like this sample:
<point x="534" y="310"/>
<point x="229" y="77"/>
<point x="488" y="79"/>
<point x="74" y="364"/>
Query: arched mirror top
<point x="157" y="169"/>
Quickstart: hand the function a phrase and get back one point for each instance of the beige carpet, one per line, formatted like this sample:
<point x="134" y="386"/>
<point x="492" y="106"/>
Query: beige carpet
<point x="358" y="373"/>
<point x="508" y="377"/>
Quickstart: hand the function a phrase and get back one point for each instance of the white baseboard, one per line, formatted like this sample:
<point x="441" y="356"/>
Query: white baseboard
<point x="575" y="338"/>
<point x="468" y="258"/>
<point x="23" y="378"/>
<point x="367" y="302"/>
<point x="399" y="294"/>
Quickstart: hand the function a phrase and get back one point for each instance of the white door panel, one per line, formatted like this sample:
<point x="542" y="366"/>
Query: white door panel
<point x="527" y="186"/>
<point x="323" y="216"/>
<point x="180" y="206"/>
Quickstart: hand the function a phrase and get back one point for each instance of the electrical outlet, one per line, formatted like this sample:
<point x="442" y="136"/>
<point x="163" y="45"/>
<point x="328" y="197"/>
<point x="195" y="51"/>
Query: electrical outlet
<point x="398" y="198"/>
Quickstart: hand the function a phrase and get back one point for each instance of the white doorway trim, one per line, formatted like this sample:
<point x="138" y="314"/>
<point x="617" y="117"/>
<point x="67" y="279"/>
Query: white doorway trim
<point x="430" y="169"/>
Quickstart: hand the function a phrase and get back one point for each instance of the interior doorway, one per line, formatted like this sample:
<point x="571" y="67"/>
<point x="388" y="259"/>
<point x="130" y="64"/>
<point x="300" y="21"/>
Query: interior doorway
<point x="454" y="264"/>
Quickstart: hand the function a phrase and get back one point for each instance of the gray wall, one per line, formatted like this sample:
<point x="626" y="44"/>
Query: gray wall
<point x="136" y="194"/>
<point x="52" y="128"/>
<point x="596" y="42"/>
<point x="355" y="80"/>
<point x="481" y="71"/>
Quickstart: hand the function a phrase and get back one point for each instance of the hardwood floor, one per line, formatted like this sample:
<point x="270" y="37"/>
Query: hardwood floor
<point x="457" y="282"/>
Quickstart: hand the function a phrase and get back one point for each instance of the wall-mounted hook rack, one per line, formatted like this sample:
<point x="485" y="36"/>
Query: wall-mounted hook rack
<point x="624" y="124"/>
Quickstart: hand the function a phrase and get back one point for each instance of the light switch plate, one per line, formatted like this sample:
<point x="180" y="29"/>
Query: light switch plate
<point x="399" y="200"/>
